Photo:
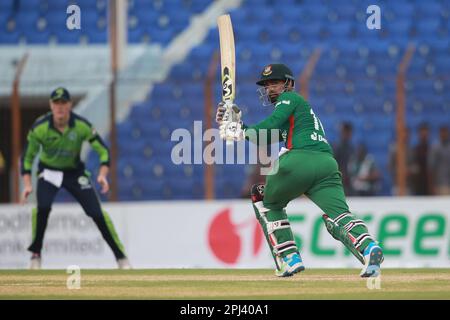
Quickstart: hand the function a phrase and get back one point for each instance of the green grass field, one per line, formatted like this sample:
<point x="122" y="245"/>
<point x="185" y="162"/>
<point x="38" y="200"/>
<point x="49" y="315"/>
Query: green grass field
<point x="224" y="284"/>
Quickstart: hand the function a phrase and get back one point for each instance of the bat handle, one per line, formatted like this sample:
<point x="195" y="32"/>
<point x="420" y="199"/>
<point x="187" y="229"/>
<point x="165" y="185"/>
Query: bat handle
<point x="228" y="105"/>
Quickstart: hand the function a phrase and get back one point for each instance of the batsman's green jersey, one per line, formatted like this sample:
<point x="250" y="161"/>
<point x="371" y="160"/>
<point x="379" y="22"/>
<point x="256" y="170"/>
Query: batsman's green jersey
<point x="299" y="127"/>
<point x="61" y="151"/>
<point x="307" y="168"/>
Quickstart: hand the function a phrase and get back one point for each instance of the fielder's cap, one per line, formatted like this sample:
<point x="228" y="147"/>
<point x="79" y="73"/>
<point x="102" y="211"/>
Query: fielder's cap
<point x="60" y="94"/>
<point x="276" y="71"/>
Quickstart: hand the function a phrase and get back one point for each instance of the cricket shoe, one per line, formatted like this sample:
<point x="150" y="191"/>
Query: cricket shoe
<point x="123" y="264"/>
<point x="373" y="255"/>
<point x="35" y="263"/>
<point x="290" y="265"/>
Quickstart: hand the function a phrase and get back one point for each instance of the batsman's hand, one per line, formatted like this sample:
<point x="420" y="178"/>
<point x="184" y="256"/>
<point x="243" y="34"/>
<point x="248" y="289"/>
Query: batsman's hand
<point x="232" y="131"/>
<point x="222" y="113"/>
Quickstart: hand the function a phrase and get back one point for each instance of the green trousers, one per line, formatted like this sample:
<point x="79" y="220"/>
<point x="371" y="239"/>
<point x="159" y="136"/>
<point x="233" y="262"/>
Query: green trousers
<point x="316" y="175"/>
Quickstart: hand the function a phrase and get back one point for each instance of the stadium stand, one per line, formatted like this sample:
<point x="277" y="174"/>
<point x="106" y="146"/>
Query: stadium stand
<point x="354" y="79"/>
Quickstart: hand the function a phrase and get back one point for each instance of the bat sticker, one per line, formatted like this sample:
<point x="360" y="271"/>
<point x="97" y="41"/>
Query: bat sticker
<point x="227" y="84"/>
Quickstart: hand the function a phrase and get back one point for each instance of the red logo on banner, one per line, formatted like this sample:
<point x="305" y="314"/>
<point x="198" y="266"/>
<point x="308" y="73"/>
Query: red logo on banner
<point x="224" y="238"/>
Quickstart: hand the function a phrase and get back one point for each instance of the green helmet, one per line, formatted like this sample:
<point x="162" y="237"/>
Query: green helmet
<point x="275" y="71"/>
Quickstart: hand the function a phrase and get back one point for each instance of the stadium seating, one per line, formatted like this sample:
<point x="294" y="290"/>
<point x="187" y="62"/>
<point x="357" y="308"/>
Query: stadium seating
<point x="354" y="79"/>
<point x="44" y="21"/>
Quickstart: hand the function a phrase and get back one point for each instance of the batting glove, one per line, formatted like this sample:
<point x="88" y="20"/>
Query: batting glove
<point x="222" y="113"/>
<point x="231" y="131"/>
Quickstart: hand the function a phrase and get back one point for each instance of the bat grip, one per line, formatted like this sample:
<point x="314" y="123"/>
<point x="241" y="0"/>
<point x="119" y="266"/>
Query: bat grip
<point x="228" y="105"/>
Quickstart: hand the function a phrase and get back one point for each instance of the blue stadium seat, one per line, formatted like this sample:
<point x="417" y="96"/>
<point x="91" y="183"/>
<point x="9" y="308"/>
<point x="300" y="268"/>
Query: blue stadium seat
<point x="6" y="5"/>
<point x="399" y="28"/>
<point x="159" y="35"/>
<point x="198" y="6"/>
<point x="9" y="37"/>
<point x="260" y="16"/>
<point x="428" y="9"/>
<point x="401" y="9"/>
<point x="146" y="18"/>
<point x="339" y="30"/>
<point x="427" y="27"/>
<point x="56" y="20"/>
<point x="86" y="4"/>
<point x="246" y="33"/>
<point x="344" y="10"/>
<point x="353" y="80"/>
<point x="316" y="11"/>
<point x="30" y="5"/>
<point x="68" y="36"/>
<point x="310" y="30"/>
<point x="179" y="18"/>
<point x="58" y="5"/>
<point x="26" y="20"/>
<point x="135" y="35"/>
<point x="97" y="36"/>
<point x="89" y="19"/>
<point x="442" y="63"/>
<point x="37" y="37"/>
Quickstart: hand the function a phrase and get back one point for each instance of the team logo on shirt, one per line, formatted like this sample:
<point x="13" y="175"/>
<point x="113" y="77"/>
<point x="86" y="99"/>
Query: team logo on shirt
<point x="84" y="182"/>
<point x="267" y="70"/>
<point x="72" y="136"/>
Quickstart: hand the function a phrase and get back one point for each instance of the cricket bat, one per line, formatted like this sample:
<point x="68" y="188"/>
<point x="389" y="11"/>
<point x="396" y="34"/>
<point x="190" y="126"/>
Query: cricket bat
<point x="228" y="63"/>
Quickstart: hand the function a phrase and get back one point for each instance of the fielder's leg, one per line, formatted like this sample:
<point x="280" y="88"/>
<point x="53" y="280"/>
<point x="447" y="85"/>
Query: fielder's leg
<point x="45" y="195"/>
<point x="81" y="187"/>
<point x="278" y="233"/>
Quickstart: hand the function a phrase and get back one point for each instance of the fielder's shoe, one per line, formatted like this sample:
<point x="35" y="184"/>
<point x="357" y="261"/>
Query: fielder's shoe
<point x="123" y="264"/>
<point x="35" y="263"/>
<point x="291" y="264"/>
<point x="373" y="255"/>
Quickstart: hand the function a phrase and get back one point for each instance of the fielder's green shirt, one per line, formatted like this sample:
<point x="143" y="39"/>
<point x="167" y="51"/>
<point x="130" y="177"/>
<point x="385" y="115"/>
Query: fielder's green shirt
<point x="298" y="126"/>
<point x="61" y="151"/>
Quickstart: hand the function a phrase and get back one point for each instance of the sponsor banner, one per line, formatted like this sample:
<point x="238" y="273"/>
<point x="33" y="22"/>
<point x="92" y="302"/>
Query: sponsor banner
<point x="414" y="232"/>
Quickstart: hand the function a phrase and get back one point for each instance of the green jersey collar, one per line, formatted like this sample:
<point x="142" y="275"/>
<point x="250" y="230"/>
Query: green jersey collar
<point x="71" y="121"/>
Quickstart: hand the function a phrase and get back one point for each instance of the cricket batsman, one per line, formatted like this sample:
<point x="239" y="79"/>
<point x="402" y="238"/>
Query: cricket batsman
<point x="59" y="135"/>
<point x="306" y="165"/>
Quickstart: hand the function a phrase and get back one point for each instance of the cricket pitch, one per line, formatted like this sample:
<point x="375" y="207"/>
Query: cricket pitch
<point x="254" y="284"/>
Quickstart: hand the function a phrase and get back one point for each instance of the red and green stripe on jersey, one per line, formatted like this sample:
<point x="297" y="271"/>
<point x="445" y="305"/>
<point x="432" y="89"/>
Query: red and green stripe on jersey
<point x="299" y="127"/>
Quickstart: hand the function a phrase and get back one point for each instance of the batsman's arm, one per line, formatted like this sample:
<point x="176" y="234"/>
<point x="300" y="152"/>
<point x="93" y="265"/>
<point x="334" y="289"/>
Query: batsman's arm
<point x="254" y="135"/>
<point x="283" y="110"/>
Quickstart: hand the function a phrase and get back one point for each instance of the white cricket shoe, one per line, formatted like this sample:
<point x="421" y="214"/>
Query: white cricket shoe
<point x="35" y="263"/>
<point x="123" y="264"/>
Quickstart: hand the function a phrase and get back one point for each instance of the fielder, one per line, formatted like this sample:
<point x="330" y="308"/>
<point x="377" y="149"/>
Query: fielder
<point x="60" y="134"/>
<point x="306" y="166"/>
